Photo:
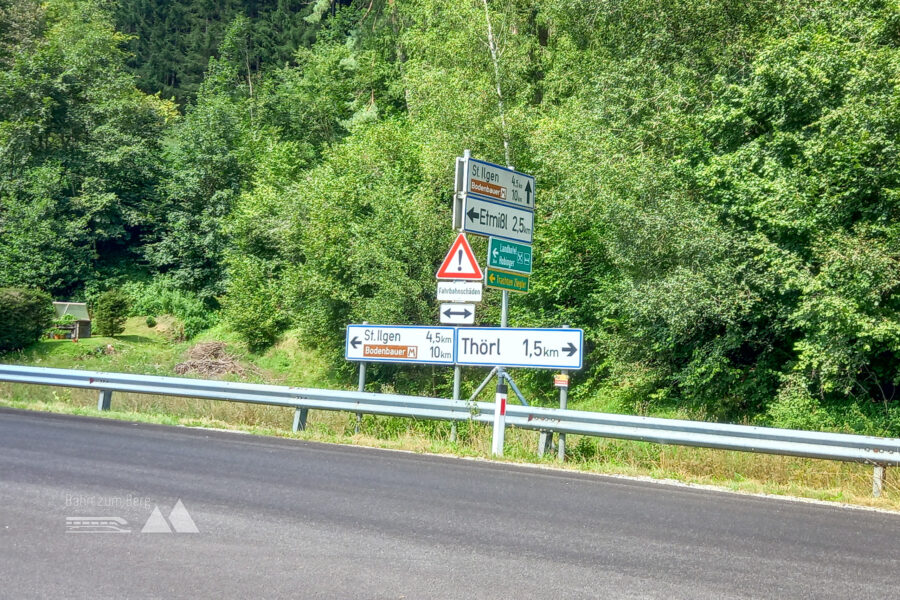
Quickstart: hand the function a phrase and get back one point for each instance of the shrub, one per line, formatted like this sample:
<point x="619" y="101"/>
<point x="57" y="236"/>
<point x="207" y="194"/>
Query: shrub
<point x="253" y="307"/>
<point x="27" y="314"/>
<point x="61" y="325"/>
<point x="151" y="322"/>
<point x="110" y="312"/>
<point x="161" y="297"/>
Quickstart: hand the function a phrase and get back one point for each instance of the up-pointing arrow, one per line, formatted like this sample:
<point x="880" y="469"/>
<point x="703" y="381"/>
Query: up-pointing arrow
<point x="528" y="192"/>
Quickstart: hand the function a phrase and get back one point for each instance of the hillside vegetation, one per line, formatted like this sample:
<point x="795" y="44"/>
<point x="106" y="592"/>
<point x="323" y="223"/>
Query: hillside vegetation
<point x="717" y="182"/>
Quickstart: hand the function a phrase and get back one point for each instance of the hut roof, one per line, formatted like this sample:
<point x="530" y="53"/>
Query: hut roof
<point x="76" y="309"/>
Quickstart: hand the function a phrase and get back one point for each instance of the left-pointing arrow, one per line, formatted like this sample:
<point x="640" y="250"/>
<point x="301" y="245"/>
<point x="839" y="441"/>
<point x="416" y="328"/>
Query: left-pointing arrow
<point x="452" y="313"/>
<point x="355" y="342"/>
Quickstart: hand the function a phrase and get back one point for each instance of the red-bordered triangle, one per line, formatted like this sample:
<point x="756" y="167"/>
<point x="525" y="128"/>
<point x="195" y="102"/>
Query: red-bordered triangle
<point x="460" y="262"/>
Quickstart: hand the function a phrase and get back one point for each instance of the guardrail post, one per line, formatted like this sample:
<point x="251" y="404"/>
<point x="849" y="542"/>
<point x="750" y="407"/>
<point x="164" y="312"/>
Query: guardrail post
<point x="300" y="419"/>
<point x="878" y="481"/>
<point x="104" y="399"/>
<point x="545" y="443"/>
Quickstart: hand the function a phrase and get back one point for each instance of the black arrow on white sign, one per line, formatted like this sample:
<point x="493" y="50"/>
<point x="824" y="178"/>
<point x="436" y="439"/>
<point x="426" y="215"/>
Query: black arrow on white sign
<point x="528" y="193"/>
<point x="355" y="342"/>
<point x="452" y="313"/>
<point x="472" y="214"/>
<point x="570" y="349"/>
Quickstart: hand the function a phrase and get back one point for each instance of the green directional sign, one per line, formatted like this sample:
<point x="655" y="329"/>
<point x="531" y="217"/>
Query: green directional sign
<point x="510" y="256"/>
<point x="505" y="280"/>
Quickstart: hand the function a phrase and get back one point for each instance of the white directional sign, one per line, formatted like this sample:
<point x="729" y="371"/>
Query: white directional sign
<point x="459" y="291"/>
<point x="500" y="184"/>
<point x="486" y="217"/>
<point x="400" y="343"/>
<point x="507" y="347"/>
<point x="457" y="314"/>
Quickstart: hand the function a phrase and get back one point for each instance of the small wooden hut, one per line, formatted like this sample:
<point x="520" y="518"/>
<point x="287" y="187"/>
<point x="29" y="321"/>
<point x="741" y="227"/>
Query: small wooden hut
<point x="81" y="327"/>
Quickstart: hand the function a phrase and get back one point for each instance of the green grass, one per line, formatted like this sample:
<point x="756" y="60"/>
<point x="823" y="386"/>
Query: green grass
<point x="141" y="349"/>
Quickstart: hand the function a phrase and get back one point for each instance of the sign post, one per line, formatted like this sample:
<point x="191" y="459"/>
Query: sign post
<point x="504" y="280"/>
<point x="509" y="256"/>
<point x="499" y="418"/>
<point x="492" y="218"/>
<point x="400" y="343"/>
<point x="498" y="183"/>
<point x="458" y="314"/>
<point x="520" y="347"/>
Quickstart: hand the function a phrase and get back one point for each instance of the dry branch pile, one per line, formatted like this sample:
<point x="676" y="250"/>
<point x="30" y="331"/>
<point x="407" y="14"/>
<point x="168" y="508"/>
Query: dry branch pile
<point x="210" y="359"/>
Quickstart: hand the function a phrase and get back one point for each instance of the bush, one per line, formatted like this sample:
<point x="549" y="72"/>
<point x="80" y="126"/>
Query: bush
<point x="27" y="314"/>
<point x="151" y="322"/>
<point x="253" y="307"/>
<point x="161" y="297"/>
<point x="110" y="312"/>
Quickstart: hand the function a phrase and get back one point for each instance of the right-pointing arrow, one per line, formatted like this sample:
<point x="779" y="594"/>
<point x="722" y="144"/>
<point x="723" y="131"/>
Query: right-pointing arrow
<point x="570" y="349"/>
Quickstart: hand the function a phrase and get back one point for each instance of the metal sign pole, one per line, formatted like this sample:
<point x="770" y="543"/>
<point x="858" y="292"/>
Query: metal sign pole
<point x="457" y="373"/>
<point x="361" y="388"/>
<point x="563" y="400"/>
<point x="500" y="398"/>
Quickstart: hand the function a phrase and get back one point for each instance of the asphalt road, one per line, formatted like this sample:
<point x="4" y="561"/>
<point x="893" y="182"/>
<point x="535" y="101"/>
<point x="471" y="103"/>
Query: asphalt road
<point x="283" y="518"/>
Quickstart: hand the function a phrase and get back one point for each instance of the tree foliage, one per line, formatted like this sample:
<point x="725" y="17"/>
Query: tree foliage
<point x="717" y="181"/>
<point x="110" y="311"/>
<point x="27" y="313"/>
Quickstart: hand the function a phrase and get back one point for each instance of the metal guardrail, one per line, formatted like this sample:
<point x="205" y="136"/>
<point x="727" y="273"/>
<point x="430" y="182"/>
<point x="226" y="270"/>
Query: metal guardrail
<point x="880" y="452"/>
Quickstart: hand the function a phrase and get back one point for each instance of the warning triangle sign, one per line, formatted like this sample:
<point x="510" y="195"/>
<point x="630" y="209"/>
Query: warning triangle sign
<point x="460" y="262"/>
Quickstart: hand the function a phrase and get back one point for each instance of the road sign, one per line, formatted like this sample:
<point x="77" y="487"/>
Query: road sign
<point x="400" y="343"/>
<point x="499" y="183"/>
<point x="486" y="217"/>
<point x="460" y="262"/>
<point x="459" y="291"/>
<point x="561" y="380"/>
<point x="457" y="314"/>
<point x="503" y="280"/>
<point x="510" y="256"/>
<point x="508" y="347"/>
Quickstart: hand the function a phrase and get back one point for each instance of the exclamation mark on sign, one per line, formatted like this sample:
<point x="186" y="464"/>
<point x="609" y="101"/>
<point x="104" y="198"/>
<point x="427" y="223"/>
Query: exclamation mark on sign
<point x="459" y="268"/>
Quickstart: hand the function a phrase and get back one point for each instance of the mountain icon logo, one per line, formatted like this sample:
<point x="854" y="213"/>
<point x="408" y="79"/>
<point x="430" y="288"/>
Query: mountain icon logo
<point x="179" y="518"/>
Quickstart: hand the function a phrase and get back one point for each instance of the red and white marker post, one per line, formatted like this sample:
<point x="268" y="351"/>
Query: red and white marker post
<point x="499" y="418"/>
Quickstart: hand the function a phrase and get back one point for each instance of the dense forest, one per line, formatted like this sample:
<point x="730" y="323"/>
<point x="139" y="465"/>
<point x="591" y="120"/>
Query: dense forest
<point x="718" y="196"/>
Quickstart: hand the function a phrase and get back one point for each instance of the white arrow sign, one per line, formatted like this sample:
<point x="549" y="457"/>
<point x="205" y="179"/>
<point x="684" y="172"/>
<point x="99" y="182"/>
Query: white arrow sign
<point x="457" y="314"/>
<point x="400" y="343"/>
<point x="459" y="291"/>
<point x="500" y="184"/>
<point x="486" y="217"/>
<point x="507" y="347"/>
